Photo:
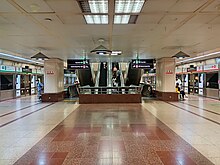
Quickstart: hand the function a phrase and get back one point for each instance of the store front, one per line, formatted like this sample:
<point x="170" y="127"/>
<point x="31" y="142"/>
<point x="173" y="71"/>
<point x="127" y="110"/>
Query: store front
<point x="17" y="81"/>
<point x="202" y="80"/>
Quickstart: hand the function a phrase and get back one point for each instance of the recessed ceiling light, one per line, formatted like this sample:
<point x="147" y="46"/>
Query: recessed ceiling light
<point x="96" y="19"/>
<point x="128" y="6"/>
<point x="98" y="6"/>
<point x="121" y="19"/>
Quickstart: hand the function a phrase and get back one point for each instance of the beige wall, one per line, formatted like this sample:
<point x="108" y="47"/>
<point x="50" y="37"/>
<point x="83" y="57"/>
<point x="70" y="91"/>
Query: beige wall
<point x="165" y="77"/>
<point x="53" y="76"/>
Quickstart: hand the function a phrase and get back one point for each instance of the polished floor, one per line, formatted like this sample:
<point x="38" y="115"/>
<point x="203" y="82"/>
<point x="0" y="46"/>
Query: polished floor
<point x="154" y="132"/>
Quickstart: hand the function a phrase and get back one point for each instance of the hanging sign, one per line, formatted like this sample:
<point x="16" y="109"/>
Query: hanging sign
<point x="199" y="68"/>
<point x="211" y="67"/>
<point x="142" y="63"/>
<point x="6" y="68"/>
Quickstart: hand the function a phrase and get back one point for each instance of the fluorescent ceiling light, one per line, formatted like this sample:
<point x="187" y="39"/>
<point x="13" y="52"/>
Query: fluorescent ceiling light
<point x="18" y="58"/>
<point x="96" y="19"/>
<point x="98" y="6"/>
<point x="128" y="6"/>
<point x="198" y="57"/>
<point x="121" y="19"/>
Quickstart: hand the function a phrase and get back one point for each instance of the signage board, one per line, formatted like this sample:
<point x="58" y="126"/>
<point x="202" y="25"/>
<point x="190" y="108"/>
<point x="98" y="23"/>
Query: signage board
<point x="18" y="69"/>
<point x="142" y="63"/>
<point x="73" y="64"/>
<point x="26" y="70"/>
<point x="199" y="68"/>
<point x="191" y="69"/>
<point x="211" y="67"/>
<point x="6" y="68"/>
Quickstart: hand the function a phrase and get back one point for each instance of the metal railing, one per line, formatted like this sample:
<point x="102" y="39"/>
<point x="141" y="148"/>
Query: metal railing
<point x="110" y="90"/>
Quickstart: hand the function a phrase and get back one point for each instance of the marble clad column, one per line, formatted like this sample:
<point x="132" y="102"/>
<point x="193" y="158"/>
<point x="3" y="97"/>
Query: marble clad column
<point x="53" y="80"/>
<point x="165" y="79"/>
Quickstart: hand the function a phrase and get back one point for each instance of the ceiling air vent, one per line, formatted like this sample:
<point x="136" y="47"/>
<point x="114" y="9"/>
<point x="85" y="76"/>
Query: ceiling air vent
<point x="133" y="19"/>
<point x="84" y="6"/>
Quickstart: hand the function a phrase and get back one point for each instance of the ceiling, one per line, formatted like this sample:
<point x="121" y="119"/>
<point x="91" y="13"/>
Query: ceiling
<point x="162" y="29"/>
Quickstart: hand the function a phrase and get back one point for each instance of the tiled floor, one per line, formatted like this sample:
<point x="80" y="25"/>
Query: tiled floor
<point x="154" y="132"/>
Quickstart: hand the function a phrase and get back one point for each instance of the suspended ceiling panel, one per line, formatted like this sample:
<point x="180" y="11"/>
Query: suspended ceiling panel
<point x="158" y="5"/>
<point x="71" y="19"/>
<point x="64" y="6"/>
<point x="6" y="7"/>
<point x="194" y="24"/>
<point x="149" y="18"/>
<point x="33" y="6"/>
<point x="187" y="5"/>
<point x="173" y="19"/>
<point x="213" y="7"/>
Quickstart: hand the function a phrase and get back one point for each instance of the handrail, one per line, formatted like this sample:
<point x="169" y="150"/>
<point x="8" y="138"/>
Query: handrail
<point x="114" y="90"/>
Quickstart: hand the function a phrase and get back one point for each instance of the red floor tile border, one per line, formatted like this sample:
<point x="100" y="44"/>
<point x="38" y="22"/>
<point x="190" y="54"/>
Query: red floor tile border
<point x="130" y="136"/>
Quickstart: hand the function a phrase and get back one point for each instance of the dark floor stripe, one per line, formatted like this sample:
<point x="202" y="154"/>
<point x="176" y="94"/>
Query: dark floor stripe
<point x="204" y="109"/>
<point x="5" y="114"/>
<point x="194" y="113"/>
<point x="25" y="115"/>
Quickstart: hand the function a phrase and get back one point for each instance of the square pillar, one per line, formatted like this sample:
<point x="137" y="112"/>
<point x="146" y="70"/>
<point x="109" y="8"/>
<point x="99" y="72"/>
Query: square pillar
<point x="53" y="80"/>
<point x="165" y="79"/>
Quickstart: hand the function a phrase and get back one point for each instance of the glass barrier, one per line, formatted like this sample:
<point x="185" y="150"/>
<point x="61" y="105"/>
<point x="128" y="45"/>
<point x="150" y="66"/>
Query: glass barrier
<point x="110" y="90"/>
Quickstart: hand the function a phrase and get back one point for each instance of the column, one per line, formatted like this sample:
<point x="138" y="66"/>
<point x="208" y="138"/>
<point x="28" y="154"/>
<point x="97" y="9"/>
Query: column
<point x="53" y="80"/>
<point x="165" y="79"/>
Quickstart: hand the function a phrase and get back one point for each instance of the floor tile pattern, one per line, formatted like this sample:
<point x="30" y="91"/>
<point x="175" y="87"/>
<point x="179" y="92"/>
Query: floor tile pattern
<point x="112" y="135"/>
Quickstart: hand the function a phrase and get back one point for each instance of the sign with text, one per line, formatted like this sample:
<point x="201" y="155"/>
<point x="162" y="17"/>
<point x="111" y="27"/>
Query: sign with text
<point x="142" y="63"/>
<point x="78" y="64"/>
<point x="211" y="67"/>
<point x="7" y="68"/>
<point x="26" y="70"/>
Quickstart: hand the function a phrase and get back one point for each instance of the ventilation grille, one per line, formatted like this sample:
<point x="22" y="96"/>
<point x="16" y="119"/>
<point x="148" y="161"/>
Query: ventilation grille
<point x="133" y="19"/>
<point x="84" y="6"/>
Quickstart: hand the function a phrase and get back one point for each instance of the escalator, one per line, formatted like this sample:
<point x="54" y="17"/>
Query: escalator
<point x="116" y="74"/>
<point x="103" y="74"/>
<point x="85" y="77"/>
<point x="133" y="76"/>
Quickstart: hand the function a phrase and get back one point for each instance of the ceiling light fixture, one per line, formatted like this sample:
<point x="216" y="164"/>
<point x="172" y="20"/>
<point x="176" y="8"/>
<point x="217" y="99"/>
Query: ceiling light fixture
<point x="96" y="19"/>
<point x="180" y="55"/>
<point x="40" y="56"/>
<point x="116" y="53"/>
<point x="128" y="6"/>
<point x="18" y="58"/>
<point x="198" y="57"/>
<point x="98" y="6"/>
<point x="101" y="50"/>
<point x="121" y="19"/>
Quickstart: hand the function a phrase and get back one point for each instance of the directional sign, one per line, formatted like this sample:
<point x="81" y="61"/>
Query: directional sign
<point x="142" y="63"/>
<point x="78" y="64"/>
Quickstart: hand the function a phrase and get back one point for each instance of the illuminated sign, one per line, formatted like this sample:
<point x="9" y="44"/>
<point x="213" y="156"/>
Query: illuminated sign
<point x="73" y="64"/>
<point x="142" y="63"/>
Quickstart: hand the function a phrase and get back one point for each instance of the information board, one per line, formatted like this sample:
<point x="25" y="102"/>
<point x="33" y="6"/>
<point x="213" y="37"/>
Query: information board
<point x="142" y="63"/>
<point x="73" y="64"/>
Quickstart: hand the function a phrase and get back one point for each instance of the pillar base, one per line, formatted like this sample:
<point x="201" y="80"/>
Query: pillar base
<point x="52" y="97"/>
<point x="167" y="96"/>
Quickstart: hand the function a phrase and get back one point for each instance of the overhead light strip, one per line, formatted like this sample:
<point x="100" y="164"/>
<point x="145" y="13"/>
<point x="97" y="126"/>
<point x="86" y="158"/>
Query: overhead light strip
<point x="128" y="6"/>
<point x="96" y="19"/>
<point x="98" y="6"/>
<point x="19" y="58"/>
<point x="198" y="57"/>
<point x="121" y="19"/>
